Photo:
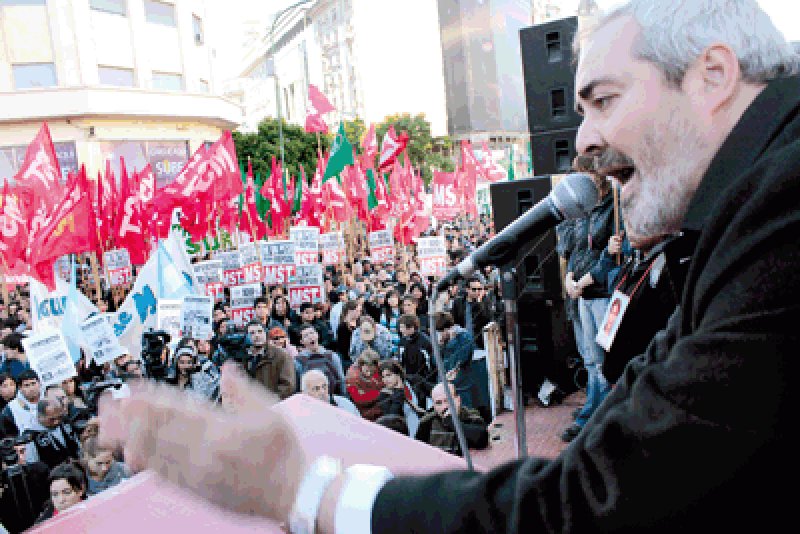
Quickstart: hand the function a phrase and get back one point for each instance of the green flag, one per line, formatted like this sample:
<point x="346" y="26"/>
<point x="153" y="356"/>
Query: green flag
<point x="372" y="200"/>
<point x="244" y="183"/>
<point x="262" y="204"/>
<point x="530" y="158"/>
<point x="510" y="173"/>
<point x="341" y="155"/>
<point x="298" y="191"/>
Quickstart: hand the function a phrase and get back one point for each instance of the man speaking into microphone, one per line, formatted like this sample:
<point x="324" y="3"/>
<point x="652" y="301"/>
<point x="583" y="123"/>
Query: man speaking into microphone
<point x="694" y="107"/>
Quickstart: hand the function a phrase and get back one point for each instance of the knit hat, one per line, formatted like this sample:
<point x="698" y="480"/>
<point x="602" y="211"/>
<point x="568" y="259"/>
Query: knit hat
<point x="276" y="332"/>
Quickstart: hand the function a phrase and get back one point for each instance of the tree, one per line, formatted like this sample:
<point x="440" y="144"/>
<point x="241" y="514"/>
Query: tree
<point x="423" y="149"/>
<point x="299" y="147"/>
<point x="355" y="131"/>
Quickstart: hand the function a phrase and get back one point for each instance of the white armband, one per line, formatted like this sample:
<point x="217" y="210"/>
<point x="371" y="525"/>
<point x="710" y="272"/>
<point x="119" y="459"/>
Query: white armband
<point x="359" y="491"/>
<point x="303" y="517"/>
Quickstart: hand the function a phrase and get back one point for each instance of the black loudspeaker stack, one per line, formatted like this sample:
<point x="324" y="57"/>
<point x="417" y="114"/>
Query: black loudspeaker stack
<point x="546" y="336"/>
<point x="550" y="94"/>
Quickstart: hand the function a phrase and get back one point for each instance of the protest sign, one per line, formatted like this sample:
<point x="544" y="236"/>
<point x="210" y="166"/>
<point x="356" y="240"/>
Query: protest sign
<point x="307" y="285"/>
<point x="231" y="267"/>
<point x="306" y="244"/>
<point x="252" y="270"/>
<point x="196" y="317"/>
<point x="432" y="256"/>
<point x="446" y="202"/>
<point x="243" y="301"/>
<point x="333" y="248"/>
<point x="118" y="267"/>
<point x="381" y="246"/>
<point x="62" y="268"/>
<point x="208" y="275"/>
<point x="278" y="258"/>
<point x="100" y="340"/>
<point x="168" y="317"/>
<point x="48" y="355"/>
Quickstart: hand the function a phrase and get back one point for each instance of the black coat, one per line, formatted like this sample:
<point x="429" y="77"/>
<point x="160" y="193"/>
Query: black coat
<point x="696" y="436"/>
<point x="481" y="316"/>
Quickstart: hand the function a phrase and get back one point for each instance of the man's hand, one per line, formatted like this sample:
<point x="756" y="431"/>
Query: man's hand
<point x="247" y="459"/>
<point x="451" y="375"/>
<point x="573" y="289"/>
<point x="615" y="244"/>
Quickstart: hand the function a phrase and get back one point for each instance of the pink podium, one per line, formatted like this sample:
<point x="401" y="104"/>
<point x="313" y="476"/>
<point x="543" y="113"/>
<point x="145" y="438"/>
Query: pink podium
<point x="147" y="503"/>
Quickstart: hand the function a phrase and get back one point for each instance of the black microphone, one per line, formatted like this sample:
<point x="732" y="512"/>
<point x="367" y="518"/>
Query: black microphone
<point x="572" y="198"/>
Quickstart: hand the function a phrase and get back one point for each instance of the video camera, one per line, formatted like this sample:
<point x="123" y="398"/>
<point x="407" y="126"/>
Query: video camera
<point x="153" y="344"/>
<point x="233" y="346"/>
<point x="17" y="488"/>
<point x="91" y="393"/>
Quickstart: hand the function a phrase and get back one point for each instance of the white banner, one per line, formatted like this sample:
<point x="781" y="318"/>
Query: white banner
<point x="307" y="285"/>
<point x="118" y="267"/>
<point x="196" y="317"/>
<point x="278" y="258"/>
<point x="333" y="248"/>
<point x="231" y="267"/>
<point x="252" y="270"/>
<point x="208" y="275"/>
<point x="99" y="335"/>
<point x="48" y="355"/>
<point x="432" y="255"/>
<point x="243" y="301"/>
<point x="381" y="246"/>
<point x="306" y="244"/>
<point x="168" y="317"/>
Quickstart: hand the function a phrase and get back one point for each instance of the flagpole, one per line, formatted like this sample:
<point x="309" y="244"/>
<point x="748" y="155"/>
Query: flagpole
<point x="3" y="271"/>
<point x="96" y="275"/>
<point x="616" y="218"/>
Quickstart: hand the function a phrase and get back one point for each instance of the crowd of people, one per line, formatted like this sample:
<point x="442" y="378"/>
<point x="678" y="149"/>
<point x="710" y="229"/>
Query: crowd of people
<point x="366" y="349"/>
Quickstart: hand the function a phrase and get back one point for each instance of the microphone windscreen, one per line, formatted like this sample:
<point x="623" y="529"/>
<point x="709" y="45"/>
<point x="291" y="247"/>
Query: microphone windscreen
<point x="575" y="195"/>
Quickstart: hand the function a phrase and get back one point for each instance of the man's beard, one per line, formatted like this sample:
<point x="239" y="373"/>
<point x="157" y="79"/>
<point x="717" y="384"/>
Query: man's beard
<point x="665" y="176"/>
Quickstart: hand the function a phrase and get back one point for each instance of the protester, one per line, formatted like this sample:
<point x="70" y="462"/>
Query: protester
<point x="102" y="470"/>
<point x="8" y="390"/>
<point x="364" y="384"/>
<point x="20" y="414"/>
<point x="271" y="366"/>
<point x="436" y="427"/>
<point x="314" y="356"/>
<point x="370" y="335"/>
<point x="314" y="383"/>
<point x="67" y="488"/>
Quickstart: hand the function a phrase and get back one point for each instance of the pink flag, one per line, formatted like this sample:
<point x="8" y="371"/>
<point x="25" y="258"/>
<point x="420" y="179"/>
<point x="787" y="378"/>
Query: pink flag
<point x="318" y="100"/>
<point x="369" y="148"/>
<point x="446" y="200"/>
<point x="315" y="123"/>
<point x="392" y="145"/>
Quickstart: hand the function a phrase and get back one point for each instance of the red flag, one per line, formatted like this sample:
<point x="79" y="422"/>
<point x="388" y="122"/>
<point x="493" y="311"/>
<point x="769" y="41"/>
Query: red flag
<point x="392" y="145"/>
<point x="272" y="190"/>
<point x="369" y="148"/>
<point x="446" y="200"/>
<point x="318" y="100"/>
<point x="69" y="229"/>
<point x="312" y="206"/>
<point x="468" y="178"/>
<point x="254" y="224"/>
<point x="315" y="123"/>
<point x="488" y="171"/>
<point x="39" y="177"/>
<point x="336" y="200"/>
<point x="13" y="228"/>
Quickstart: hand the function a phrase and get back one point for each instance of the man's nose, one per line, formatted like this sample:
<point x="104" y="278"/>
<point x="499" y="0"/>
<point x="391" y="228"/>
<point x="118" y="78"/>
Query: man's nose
<point x="588" y="140"/>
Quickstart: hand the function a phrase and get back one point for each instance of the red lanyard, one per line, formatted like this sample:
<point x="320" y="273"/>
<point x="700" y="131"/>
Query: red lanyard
<point x="638" y="283"/>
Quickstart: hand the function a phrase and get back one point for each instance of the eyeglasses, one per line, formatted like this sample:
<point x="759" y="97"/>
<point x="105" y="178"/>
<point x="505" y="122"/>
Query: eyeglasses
<point x="281" y="338"/>
<point x="476" y="289"/>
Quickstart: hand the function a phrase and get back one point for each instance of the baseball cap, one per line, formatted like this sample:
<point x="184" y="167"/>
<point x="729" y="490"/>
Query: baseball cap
<point x="276" y="332"/>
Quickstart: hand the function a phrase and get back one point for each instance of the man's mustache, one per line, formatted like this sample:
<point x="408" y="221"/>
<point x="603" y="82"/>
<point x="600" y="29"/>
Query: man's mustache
<point x="610" y="160"/>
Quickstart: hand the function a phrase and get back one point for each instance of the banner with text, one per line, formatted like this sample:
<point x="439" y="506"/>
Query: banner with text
<point x="381" y="246"/>
<point x="196" y="317"/>
<point x="432" y="256"/>
<point x="252" y="270"/>
<point x="118" y="267"/>
<point x="306" y="244"/>
<point x="278" y="258"/>
<point x="48" y="355"/>
<point x="446" y="203"/>
<point x="307" y="285"/>
<point x="168" y="317"/>
<point x="208" y="275"/>
<point x="333" y="248"/>
<point x="243" y="301"/>
<point x="231" y="267"/>
<point x="100" y="339"/>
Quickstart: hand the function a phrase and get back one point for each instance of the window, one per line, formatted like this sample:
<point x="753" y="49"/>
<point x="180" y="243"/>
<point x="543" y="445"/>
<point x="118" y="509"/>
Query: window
<point x="204" y="87"/>
<point x="159" y="13"/>
<point x="552" y="42"/>
<point x="562" y="151"/>
<point x="32" y="75"/>
<point x="117" y="7"/>
<point x="197" y="26"/>
<point x="167" y="81"/>
<point x="115" y="76"/>
<point x="22" y="2"/>
<point x="558" y="103"/>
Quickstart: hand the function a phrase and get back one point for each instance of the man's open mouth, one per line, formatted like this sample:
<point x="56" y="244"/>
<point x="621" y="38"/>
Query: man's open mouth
<point x="622" y="173"/>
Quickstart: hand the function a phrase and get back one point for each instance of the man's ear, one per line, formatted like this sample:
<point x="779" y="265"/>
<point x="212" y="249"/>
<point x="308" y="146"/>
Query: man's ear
<point x="713" y="78"/>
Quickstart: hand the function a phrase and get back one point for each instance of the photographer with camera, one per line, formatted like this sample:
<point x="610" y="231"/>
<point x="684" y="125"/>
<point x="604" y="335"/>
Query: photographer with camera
<point x="202" y="379"/>
<point x="23" y="486"/>
<point x="54" y="440"/>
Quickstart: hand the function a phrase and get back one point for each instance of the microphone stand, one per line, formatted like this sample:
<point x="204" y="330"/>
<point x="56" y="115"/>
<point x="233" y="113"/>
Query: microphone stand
<point x="508" y="279"/>
<point x="451" y="403"/>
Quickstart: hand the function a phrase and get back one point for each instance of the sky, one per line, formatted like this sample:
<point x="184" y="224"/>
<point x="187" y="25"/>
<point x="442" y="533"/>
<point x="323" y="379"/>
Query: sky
<point x="232" y="19"/>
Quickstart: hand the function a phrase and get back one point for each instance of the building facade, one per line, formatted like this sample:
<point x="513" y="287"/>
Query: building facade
<point x="131" y="78"/>
<point x="371" y="59"/>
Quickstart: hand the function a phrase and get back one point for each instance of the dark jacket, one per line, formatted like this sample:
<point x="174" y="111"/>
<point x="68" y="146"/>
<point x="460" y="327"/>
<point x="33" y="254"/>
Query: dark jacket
<point x="322" y="327"/>
<point x="441" y="433"/>
<point x="481" y="316"/>
<point x="416" y="355"/>
<point x="591" y="235"/>
<point x="697" y="433"/>
<point x="274" y="369"/>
